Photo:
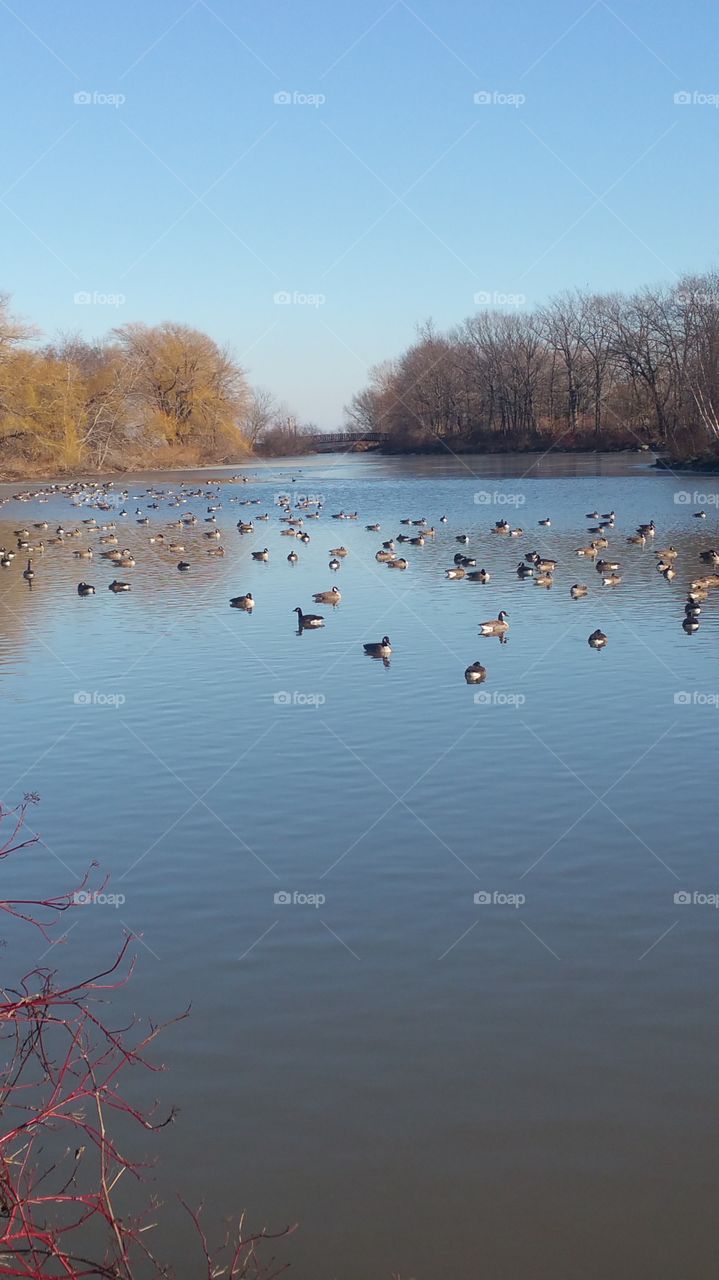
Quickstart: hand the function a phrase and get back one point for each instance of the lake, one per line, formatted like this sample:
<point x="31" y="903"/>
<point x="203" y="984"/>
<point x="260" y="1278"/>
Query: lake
<point x="429" y="1084"/>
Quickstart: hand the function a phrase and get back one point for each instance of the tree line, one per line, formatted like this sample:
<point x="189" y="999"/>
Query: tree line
<point x="160" y="395"/>
<point x="587" y="370"/>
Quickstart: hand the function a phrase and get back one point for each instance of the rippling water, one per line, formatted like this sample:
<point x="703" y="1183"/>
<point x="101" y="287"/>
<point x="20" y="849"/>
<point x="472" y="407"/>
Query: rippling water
<point x="429" y="1085"/>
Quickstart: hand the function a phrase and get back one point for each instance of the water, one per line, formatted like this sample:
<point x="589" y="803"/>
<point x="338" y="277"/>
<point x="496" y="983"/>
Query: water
<point x="427" y="1085"/>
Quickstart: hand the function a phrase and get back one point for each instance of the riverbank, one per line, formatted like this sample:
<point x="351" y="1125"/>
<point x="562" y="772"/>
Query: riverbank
<point x="704" y="464"/>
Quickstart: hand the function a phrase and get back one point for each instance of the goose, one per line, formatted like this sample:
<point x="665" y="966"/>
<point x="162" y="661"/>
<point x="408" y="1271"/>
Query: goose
<point x="663" y="565"/>
<point x="339" y="551"/>
<point x="544" y="523"/>
<point x="333" y="596"/>
<point x="698" y="515"/>
<point x="456" y="572"/>
<point x="382" y="556"/>
<point x="183" y="566"/>
<point x="669" y="573"/>
<point x="261" y="555"/>
<point x="597" y="640"/>
<point x="648" y="530"/>
<point x="462" y="537"/>
<point x="381" y="649"/>
<point x="592" y="515"/>
<point x="579" y="589"/>
<point x="389" y="546"/>
<point x="479" y="575"/>
<point x="5" y="559"/>
<point x="309" y="620"/>
<point x="516" y="533"/>
<point x="397" y="562"/>
<point x="475" y="673"/>
<point x="84" y="589"/>
<point x="244" y="527"/>
<point x="668" y="553"/>
<point x="544" y="566"/>
<point x="544" y="580"/>
<point x="690" y="624"/>
<point x="525" y="570"/>
<point x="442" y="519"/>
<point x="417" y="542"/>
<point x="29" y="573"/>
<point x="127" y="560"/>
<point x="304" y="538"/>
<point x="215" y="551"/>
<point x="701" y="584"/>
<point x="372" y="528"/>
<point x="214" y="533"/>
<point x="243" y="602"/>
<point x="109" y="540"/>
<point x="611" y="580"/>
<point x="466" y="561"/>
<point x="603" y="565"/>
<point x="116" y="586"/>
<point x="334" y="563"/>
<point x="697" y="597"/>
<point x="608" y="515"/>
<point x="590" y="551"/>
<point x="692" y="610"/>
<point x="287" y="533"/>
<point x="639" y="539"/>
<point x="496" y="626"/>
<point x="293" y="557"/>
<point x="85" y="554"/>
<point x="710" y="557"/>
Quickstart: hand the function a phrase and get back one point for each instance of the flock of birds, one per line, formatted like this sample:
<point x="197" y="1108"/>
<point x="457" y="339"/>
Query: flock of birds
<point x="293" y="517"/>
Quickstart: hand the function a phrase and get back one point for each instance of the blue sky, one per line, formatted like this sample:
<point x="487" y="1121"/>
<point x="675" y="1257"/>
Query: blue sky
<point x="199" y="198"/>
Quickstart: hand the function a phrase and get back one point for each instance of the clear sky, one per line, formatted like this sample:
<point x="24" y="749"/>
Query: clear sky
<point x="199" y="198"/>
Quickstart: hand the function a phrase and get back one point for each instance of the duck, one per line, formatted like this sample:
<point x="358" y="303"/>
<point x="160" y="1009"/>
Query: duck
<point x="84" y="589"/>
<point x="308" y="620"/>
<point x="183" y="566"/>
<point x="29" y="573"/>
<point x="495" y="626"/>
<point x="380" y="649"/>
<point x="243" y="602"/>
<point x="597" y="640"/>
<point x="334" y="563"/>
<point x="293" y="557"/>
<point x="333" y="596"/>
<point x="261" y="555"/>
<point x="479" y="575"/>
<point x="475" y="673"/>
<point x="525" y="570"/>
<point x="456" y="572"/>
<point x="578" y="590"/>
<point x="116" y="587"/>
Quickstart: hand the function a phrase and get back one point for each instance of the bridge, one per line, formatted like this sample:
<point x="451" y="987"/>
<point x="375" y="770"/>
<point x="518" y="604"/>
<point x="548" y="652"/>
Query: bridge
<point x="330" y="441"/>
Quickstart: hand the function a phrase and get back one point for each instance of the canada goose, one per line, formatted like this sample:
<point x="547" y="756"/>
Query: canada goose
<point x="304" y="537"/>
<point x="592" y="515"/>
<point x="339" y="551"/>
<point x="465" y="561"/>
<point x="372" y="528"/>
<point x="602" y="566"/>
<point x="544" y="580"/>
<point x="293" y="557"/>
<point x="579" y="589"/>
<point x="479" y="575"/>
<point x="698" y="515"/>
<point x="544" y="523"/>
<point x="85" y="554"/>
<point x="214" y="533"/>
<point x="261" y="555"/>
<point x="601" y="542"/>
<point x="109" y="540"/>
<point x="462" y="537"/>
<point x="611" y="580"/>
<point x="668" y="553"/>
<point x="669" y="573"/>
<point x="382" y="556"/>
<point x="116" y="586"/>
<point x="648" y="530"/>
<point x="389" y="545"/>
<point x="417" y="542"/>
<point x="334" y="564"/>
<point x="701" y="584"/>
<point x="690" y="624"/>
<point x="475" y="673"/>
<point x="127" y="560"/>
<point x="245" y="527"/>
<point x="525" y="570"/>
<point x="308" y="620"/>
<point x="383" y="649"/>
<point x="710" y="557"/>
<point x="397" y="562"/>
<point x="590" y="551"/>
<point x="183" y="566"/>
<point x="496" y="625"/>
<point x="608" y="515"/>
<point x="215" y="551"/>
<point x="84" y="589"/>
<point x="456" y="572"/>
<point x="692" y="610"/>
<point x="639" y="539"/>
<point x="516" y="533"/>
<point x="697" y="597"/>
<point x="5" y="559"/>
<point x="597" y="640"/>
<point x="333" y="596"/>
<point x="243" y="602"/>
<point x="544" y="566"/>
<point x="29" y="573"/>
